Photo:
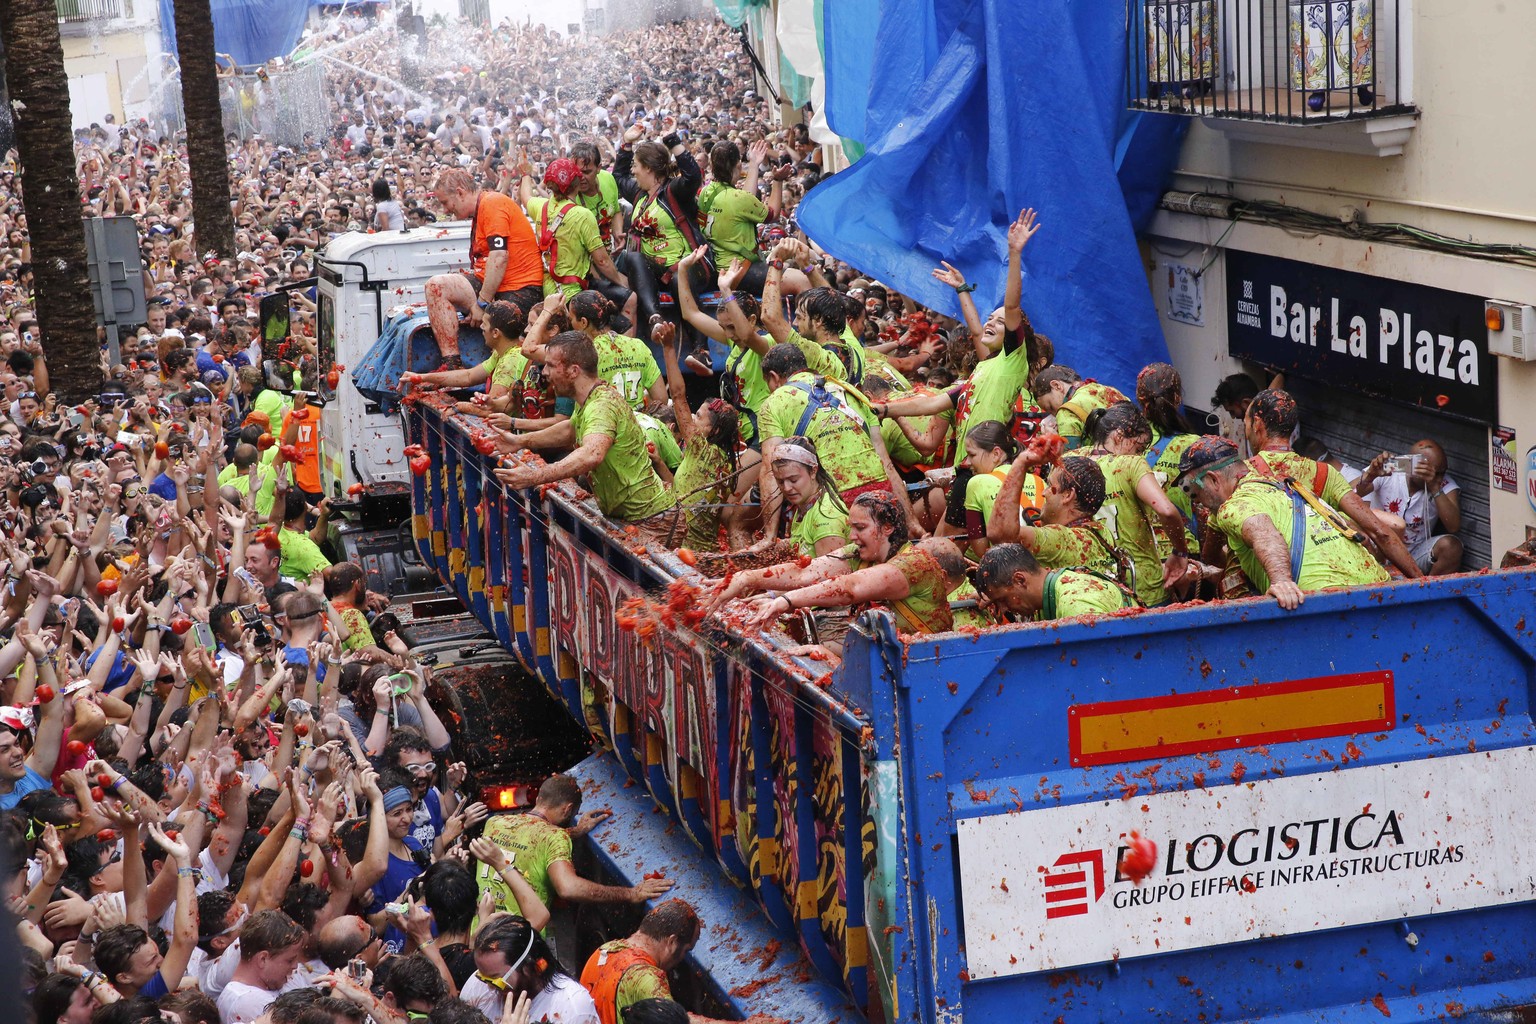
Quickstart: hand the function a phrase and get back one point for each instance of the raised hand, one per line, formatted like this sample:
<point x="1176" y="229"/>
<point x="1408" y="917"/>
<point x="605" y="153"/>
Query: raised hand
<point x="1022" y="230"/>
<point x="946" y="274"/>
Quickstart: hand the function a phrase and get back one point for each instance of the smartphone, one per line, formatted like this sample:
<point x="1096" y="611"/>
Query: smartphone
<point x="204" y="634"/>
<point x="76" y="418"/>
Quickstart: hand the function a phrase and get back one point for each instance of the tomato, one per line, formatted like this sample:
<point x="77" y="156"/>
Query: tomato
<point x="306" y="868"/>
<point x="687" y="557"/>
<point x="1139" y="858"/>
<point x="106" y="588"/>
<point x="412" y="450"/>
<point x="98" y="794"/>
<point x="332" y="379"/>
<point x="103" y="780"/>
<point x="162" y="450"/>
<point x="355" y="489"/>
<point x="290" y="453"/>
<point x="300" y="414"/>
<point x="420" y="464"/>
<point x="180" y="624"/>
<point x="44" y="694"/>
<point x="117" y="624"/>
<point x="265" y="441"/>
<point x="76" y="748"/>
<point x="302" y="729"/>
<point x="106" y="835"/>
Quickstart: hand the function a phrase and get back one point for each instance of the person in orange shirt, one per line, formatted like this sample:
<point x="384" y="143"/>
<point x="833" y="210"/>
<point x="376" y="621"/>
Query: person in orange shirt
<point x="301" y="434"/>
<point x="504" y="260"/>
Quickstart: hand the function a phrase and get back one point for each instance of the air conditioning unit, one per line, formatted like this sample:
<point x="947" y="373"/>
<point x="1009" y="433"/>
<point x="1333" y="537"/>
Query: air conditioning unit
<point x="1511" y="329"/>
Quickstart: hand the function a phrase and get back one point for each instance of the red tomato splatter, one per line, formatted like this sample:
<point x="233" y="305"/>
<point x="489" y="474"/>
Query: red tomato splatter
<point x="1139" y="858"/>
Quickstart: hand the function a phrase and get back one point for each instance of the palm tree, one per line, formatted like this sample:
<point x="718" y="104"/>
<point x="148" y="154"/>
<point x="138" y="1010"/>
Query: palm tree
<point x="207" y="159"/>
<point x="39" y="90"/>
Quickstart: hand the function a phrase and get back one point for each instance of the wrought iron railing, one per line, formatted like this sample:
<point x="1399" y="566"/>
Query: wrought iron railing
<point x="93" y="10"/>
<point x="1300" y="61"/>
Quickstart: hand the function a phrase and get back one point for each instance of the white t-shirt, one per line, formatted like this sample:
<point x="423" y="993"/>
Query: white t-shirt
<point x="1390" y="494"/>
<point x="240" y="1003"/>
<point x="563" y="1001"/>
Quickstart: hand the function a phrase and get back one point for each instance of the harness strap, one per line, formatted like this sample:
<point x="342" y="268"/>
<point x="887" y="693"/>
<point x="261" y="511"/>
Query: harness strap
<point x="549" y="243"/>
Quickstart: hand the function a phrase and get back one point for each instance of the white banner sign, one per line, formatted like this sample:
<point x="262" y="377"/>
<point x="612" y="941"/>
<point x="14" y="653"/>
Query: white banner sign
<point x="1040" y="890"/>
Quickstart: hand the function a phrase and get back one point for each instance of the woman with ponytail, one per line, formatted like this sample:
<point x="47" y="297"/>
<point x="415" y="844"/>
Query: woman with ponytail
<point x="734" y="214"/>
<point x="662" y="180"/>
<point x="717" y="471"/>
<point x="1160" y="392"/>
<point x="739" y="326"/>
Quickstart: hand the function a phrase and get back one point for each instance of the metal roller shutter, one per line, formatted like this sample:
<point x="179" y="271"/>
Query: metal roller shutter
<point x="1358" y="428"/>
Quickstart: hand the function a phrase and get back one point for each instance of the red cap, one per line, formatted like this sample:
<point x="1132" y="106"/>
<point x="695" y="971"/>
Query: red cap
<point x="562" y="173"/>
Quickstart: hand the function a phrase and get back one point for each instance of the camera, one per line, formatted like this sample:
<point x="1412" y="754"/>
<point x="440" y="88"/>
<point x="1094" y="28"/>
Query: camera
<point x="35" y="496"/>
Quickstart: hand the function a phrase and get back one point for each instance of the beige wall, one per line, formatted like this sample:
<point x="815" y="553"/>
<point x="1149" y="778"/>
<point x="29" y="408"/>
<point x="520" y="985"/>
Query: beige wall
<point x="120" y="55"/>
<point x="1465" y="172"/>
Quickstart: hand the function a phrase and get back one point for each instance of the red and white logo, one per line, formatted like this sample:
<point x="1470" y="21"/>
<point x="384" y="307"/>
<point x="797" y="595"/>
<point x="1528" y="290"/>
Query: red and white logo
<point x="1066" y="883"/>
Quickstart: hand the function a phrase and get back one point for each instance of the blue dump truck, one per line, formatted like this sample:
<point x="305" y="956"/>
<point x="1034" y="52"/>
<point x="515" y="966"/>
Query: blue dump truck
<point x="1334" y="798"/>
<point x="1209" y="813"/>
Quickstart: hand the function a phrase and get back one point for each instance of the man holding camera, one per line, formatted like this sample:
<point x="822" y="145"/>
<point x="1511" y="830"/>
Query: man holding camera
<point x="1415" y="488"/>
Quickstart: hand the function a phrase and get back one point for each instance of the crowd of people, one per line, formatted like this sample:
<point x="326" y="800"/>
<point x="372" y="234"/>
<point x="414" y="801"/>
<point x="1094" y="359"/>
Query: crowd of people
<point x="225" y="795"/>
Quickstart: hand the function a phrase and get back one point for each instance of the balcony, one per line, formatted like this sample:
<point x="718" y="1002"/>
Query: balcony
<point x="76" y="11"/>
<point x="1259" y="69"/>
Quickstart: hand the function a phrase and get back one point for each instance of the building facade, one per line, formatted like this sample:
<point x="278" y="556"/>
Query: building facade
<point x="113" y="57"/>
<point x="1349" y="194"/>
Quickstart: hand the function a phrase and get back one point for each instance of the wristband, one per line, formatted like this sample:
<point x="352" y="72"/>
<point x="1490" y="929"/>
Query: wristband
<point x="776" y="264"/>
<point x="964" y="288"/>
<point x="789" y="605"/>
<point x="186" y="872"/>
<point x="380" y="711"/>
<point x="300" y="834"/>
<point x="118" y="783"/>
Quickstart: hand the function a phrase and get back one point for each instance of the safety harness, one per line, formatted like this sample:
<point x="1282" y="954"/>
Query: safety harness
<point x="1050" y="592"/>
<point x="549" y="245"/>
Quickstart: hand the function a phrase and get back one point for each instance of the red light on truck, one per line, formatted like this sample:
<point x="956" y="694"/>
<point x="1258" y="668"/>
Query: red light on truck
<point x="505" y="798"/>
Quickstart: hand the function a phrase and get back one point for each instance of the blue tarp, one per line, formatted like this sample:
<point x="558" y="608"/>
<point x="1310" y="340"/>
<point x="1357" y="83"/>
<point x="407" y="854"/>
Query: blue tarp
<point x="250" y="31"/>
<point x="973" y="110"/>
<point x="407" y="346"/>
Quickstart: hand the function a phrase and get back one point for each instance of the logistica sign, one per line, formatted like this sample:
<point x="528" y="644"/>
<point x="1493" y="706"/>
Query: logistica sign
<point x="1041" y="890"/>
<point x="1402" y="342"/>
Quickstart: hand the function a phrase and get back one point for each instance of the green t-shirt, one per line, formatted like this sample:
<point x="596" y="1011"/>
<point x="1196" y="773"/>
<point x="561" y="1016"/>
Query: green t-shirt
<point x="842" y="435"/>
<point x="1090" y="395"/>
<point x="660" y="435"/>
<point x="1329" y="559"/>
<point x="359" y="633"/>
<point x="1078" y="593"/>
<point x="626" y="486"/>
<point x="1130" y="522"/>
<point x="1304" y="471"/>
<point x="275" y="404"/>
<point x="701" y="463"/>
<point x="926" y="607"/>
<point x="818" y="359"/>
<point x="576" y="238"/>
<point x="981" y="492"/>
<point x="605" y="207"/>
<point x="1071" y="547"/>
<point x="301" y="556"/>
<point x="825" y="518"/>
<point x="266" y="493"/>
<point x="628" y="365"/>
<point x="1166" y="466"/>
<point x="751" y="389"/>
<point x="732" y="220"/>
<point x="533" y="844"/>
<point x="662" y="242"/>
<point x="990" y="393"/>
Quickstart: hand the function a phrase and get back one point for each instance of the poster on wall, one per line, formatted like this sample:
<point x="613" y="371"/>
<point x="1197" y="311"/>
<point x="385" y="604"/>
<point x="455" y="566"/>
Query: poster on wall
<point x="1184" y="294"/>
<point x="1406" y="343"/>
<point x="1530" y="477"/>
<point x="1506" y="470"/>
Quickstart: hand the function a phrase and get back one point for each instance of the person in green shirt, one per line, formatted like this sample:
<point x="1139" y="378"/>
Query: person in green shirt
<point x="988" y="449"/>
<point x="249" y="463"/>
<point x="1017" y="586"/>
<point x="1067" y="535"/>
<point x="814" y="517"/>
<point x="1009" y="349"/>
<point x="714" y="474"/>
<point x="1160" y="393"/>
<point x="1269" y="423"/>
<point x="609" y="445"/>
<point x="662" y="180"/>
<point x="301" y="556"/>
<point x="598" y="192"/>
<point x="504" y="325"/>
<point x="662" y="445"/>
<point x="742" y="384"/>
<point x="732" y="214"/>
<point x="1060" y="392"/>
<point x="879" y="566"/>
<point x="567" y="232"/>
<point x="1134" y="501"/>
<point x="1259" y="518"/>
<point x="623" y="361"/>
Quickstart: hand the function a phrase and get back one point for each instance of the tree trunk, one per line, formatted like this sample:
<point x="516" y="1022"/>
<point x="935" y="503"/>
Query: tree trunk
<point x="51" y="196"/>
<point x="207" y="159"/>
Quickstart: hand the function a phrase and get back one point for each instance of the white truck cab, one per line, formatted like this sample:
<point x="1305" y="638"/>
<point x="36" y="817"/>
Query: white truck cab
<point x="366" y="279"/>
